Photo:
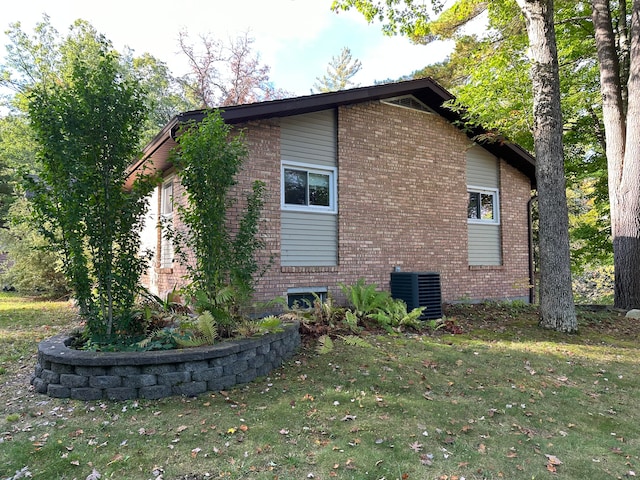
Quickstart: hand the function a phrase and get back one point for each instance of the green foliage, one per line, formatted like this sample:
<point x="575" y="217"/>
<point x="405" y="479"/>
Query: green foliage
<point x="339" y="73"/>
<point x="162" y="339"/>
<point x="86" y="114"/>
<point x="435" y="324"/>
<point x="355" y="341"/>
<point x="326" y="344"/>
<point x="203" y="332"/>
<point x="270" y="324"/>
<point x="370" y="303"/>
<point x="365" y="299"/>
<point x="33" y="269"/>
<point x="164" y="97"/>
<point x="250" y="328"/>
<point x="351" y="321"/>
<point x="321" y="316"/>
<point x="395" y="393"/>
<point x="594" y="285"/>
<point x="17" y="153"/>
<point x="225" y="268"/>
<point x="395" y="314"/>
<point x="489" y="74"/>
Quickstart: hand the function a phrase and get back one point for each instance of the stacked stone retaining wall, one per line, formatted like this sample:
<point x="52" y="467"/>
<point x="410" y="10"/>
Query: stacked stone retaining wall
<point x="63" y="372"/>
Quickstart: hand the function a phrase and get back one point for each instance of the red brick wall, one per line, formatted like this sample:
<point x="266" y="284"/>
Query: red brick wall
<point x="402" y="201"/>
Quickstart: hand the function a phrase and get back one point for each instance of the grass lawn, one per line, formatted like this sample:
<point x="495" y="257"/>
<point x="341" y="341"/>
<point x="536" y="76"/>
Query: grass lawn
<point x="503" y="400"/>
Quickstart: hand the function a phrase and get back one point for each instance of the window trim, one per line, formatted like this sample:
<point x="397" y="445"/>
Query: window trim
<point x="332" y="172"/>
<point x="496" y="205"/>
<point x="321" y="292"/>
<point x="166" y="261"/>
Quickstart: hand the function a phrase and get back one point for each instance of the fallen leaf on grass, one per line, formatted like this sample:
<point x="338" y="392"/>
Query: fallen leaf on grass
<point x="94" y="475"/>
<point x="181" y="428"/>
<point x="553" y="460"/>
<point x="115" y="459"/>
<point x="346" y="418"/>
<point x="552" y="463"/>
<point x="415" y="446"/>
<point x="195" y="452"/>
<point x="426" y="459"/>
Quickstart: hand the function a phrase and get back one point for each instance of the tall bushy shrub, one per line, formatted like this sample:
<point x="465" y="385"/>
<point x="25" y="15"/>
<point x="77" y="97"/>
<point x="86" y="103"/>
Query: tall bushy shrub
<point x="87" y="118"/>
<point x="224" y="267"/>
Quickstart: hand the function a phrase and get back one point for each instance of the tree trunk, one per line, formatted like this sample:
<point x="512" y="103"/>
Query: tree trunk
<point x="622" y="133"/>
<point x="557" y="310"/>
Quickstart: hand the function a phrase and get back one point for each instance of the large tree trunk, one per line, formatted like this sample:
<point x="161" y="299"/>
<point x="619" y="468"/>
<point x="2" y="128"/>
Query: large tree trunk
<point x="622" y="132"/>
<point x="557" y="310"/>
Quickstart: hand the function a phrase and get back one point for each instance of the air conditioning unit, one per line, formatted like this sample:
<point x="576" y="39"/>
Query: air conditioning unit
<point x="419" y="289"/>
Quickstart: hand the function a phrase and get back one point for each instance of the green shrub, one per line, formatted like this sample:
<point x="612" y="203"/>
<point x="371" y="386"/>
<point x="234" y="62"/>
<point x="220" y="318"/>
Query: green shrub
<point x="32" y="268"/>
<point x="364" y="299"/>
<point x="223" y="274"/>
<point x="86" y="114"/>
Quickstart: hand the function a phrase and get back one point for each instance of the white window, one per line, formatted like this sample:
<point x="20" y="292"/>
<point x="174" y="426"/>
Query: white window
<point x="483" y="206"/>
<point x="166" y="217"/>
<point x="308" y="187"/>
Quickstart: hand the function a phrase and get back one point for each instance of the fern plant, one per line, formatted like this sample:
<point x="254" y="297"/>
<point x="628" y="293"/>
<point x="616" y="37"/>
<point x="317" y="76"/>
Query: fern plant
<point x="326" y="345"/>
<point x="351" y="320"/>
<point x="250" y="328"/>
<point x="205" y="332"/>
<point x="365" y="299"/>
<point x="395" y="315"/>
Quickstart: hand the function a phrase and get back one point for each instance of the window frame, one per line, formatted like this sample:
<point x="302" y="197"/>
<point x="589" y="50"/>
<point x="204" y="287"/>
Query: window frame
<point x="167" y="255"/>
<point x="494" y="192"/>
<point x="300" y="293"/>
<point x="331" y="172"/>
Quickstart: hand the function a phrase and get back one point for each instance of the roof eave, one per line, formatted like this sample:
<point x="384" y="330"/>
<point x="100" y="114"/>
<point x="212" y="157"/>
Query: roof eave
<point x="426" y="89"/>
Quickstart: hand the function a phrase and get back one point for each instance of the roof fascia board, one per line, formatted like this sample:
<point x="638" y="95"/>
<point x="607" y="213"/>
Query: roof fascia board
<point x="426" y="90"/>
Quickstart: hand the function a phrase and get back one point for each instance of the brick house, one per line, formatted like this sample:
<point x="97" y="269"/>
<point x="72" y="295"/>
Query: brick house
<point x="366" y="181"/>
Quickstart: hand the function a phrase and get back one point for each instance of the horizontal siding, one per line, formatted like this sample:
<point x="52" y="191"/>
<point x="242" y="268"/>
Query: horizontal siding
<point x="484" y="244"/>
<point x="308" y="239"/>
<point x="482" y="168"/>
<point x="309" y="138"/>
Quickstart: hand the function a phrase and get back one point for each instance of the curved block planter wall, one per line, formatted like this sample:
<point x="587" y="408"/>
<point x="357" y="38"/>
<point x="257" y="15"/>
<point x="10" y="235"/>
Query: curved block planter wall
<point x="63" y="372"/>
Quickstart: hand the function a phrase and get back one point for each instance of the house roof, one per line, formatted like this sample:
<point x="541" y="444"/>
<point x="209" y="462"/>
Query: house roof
<point x="428" y="91"/>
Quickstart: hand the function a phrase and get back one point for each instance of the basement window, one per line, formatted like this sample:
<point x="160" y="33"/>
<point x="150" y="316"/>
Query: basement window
<point x="305" y="297"/>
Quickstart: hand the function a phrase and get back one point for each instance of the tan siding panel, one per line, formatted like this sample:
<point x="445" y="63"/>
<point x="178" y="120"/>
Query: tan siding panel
<point x="308" y="239"/>
<point x="484" y="244"/>
<point x="482" y="168"/>
<point x="309" y="138"/>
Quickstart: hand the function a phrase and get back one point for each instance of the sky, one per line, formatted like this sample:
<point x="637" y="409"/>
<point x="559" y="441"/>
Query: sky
<point x="295" y="38"/>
